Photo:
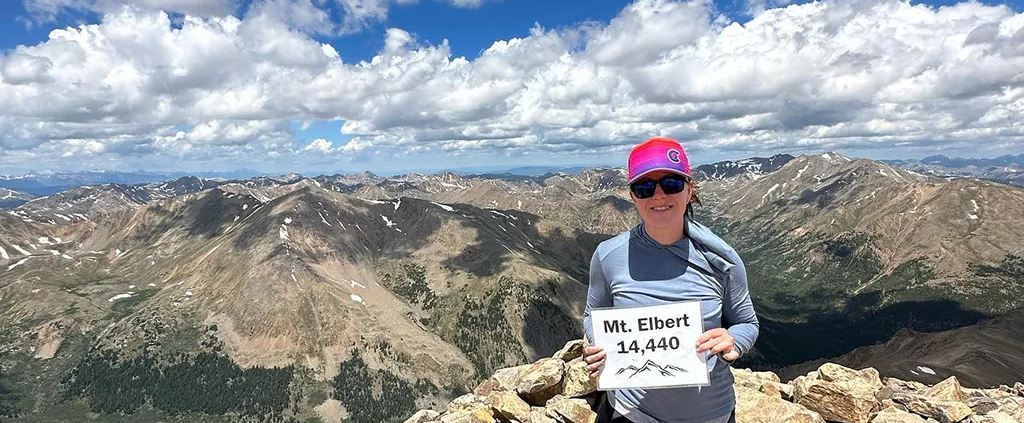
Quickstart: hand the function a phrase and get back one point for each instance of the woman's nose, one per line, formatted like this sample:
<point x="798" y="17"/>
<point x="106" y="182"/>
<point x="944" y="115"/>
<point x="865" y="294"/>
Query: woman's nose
<point x="658" y="193"/>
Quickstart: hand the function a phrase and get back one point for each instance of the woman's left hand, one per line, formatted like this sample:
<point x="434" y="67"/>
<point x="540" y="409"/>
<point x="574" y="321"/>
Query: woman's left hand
<point x="718" y="341"/>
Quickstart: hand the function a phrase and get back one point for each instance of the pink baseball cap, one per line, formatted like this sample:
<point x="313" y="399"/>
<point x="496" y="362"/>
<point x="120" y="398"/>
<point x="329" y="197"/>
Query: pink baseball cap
<point x="657" y="154"/>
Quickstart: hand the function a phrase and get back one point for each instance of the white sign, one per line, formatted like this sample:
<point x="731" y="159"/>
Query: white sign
<point x="650" y="347"/>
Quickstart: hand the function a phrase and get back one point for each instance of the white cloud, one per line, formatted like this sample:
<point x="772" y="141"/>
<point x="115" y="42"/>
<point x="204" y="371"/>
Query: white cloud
<point x="320" y="145"/>
<point x="47" y="10"/>
<point x="23" y="68"/>
<point x="311" y="16"/>
<point x="299" y="14"/>
<point x="838" y="74"/>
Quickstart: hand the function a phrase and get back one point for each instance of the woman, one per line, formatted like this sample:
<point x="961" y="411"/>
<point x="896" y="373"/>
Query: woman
<point x="668" y="258"/>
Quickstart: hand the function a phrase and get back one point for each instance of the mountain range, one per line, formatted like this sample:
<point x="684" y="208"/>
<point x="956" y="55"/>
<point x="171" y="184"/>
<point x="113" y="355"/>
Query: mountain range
<point x="1008" y="169"/>
<point x="419" y="285"/>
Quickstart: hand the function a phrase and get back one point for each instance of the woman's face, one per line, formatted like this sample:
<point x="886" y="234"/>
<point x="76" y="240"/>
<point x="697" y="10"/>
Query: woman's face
<point x="663" y="210"/>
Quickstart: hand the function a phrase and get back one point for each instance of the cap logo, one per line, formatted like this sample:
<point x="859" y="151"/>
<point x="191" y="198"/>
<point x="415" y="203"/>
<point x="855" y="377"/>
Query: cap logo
<point x="673" y="155"/>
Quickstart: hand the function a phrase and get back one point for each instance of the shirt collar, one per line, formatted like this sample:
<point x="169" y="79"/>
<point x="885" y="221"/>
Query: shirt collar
<point x="683" y="248"/>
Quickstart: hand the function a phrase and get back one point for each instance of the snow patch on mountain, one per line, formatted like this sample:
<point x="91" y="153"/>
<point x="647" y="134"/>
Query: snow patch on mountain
<point x="443" y="206"/>
<point x="389" y="223"/>
<point x="769" y="193"/>
<point x="801" y="171"/>
<point x="19" y="263"/>
<point x="119" y="297"/>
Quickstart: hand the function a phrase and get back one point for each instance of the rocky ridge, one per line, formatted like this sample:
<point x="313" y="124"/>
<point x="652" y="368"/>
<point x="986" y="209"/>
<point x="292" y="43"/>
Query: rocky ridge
<point x="558" y="389"/>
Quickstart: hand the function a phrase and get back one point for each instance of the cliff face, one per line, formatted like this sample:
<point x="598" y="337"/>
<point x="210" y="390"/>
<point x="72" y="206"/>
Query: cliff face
<point x="559" y="390"/>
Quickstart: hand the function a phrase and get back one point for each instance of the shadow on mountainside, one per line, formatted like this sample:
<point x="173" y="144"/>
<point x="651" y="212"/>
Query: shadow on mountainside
<point x="826" y="335"/>
<point x="567" y="251"/>
<point x="356" y="229"/>
<point x="547" y="327"/>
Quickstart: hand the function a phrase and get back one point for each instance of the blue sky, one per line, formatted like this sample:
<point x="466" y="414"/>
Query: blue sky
<point x="556" y="97"/>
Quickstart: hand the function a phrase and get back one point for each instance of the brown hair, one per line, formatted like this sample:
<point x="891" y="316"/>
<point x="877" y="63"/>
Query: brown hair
<point x="693" y="198"/>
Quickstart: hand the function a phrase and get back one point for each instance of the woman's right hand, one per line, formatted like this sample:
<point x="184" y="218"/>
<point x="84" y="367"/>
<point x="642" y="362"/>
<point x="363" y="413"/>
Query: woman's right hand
<point x="594" y="356"/>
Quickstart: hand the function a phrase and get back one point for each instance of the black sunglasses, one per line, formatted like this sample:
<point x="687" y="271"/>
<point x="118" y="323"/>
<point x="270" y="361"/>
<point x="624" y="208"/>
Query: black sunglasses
<point x="670" y="184"/>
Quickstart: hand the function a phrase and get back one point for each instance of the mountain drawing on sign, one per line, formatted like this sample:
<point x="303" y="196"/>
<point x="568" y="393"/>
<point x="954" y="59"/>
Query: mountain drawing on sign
<point x="649" y="366"/>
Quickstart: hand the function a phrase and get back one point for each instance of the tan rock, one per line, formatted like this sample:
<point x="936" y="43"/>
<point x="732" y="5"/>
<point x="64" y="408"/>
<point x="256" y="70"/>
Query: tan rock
<point x="423" y="416"/>
<point x="743" y="375"/>
<point x="542" y="382"/>
<point x="755" y="407"/>
<point x="468" y="402"/>
<point x="904" y="386"/>
<point x="947" y="390"/>
<point x="508" y="378"/>
<point x="982" y="405"/>
<point x="486" y="387"/>
<point x="508" y="405"/>
<point x="985" y="393"/>
<point x="867" y="378"/>
<point x="849" y="400"/>
<point x="577" y="380"/>
<point x="895" y="415"/>
<point x="570" y="410"/>
<point x="770" y="390"/>
<point x="943" y="411"/>
<point x="1012" y="406"/>
<point x="994" y="417"/>
<point x="886" y="403"/>
<point x="1019" y="387"/>
<point x="539" y="415"/>
<point x="571" y="350"/>
<point x="478" y="415"/>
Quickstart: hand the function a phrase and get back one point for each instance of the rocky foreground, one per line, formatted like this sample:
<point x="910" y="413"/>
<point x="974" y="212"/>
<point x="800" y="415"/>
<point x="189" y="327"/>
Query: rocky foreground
<point x="559" y="390"/>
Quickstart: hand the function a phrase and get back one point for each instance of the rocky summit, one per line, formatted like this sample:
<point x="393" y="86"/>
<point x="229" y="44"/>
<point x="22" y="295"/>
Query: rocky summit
<point x="558" y="389"/>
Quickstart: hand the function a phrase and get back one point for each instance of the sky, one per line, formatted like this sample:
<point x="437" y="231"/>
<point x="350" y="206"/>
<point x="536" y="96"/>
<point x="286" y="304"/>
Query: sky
<point x="421" y="85"/>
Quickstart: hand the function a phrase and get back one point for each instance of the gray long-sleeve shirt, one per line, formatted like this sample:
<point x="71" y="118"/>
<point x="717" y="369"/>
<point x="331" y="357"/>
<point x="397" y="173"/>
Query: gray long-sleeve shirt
<point x="632" y="269"/>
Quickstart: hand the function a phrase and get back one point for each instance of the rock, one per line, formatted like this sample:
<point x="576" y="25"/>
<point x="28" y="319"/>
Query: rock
<point x="787" y="391"/>
<point x="943" y="411"/>
<point x="886" y="403"/>
<point x="996" y="417"/>
<point x="755" y="407"/>
<point x="770" y="390"/>
<point x="571" y="350"/>
<point x="839" y="393"/>
<point x="835" y="373"/>
<point x="542" y="382"/>
<point x="745" y="376"/>
<point x="508" y="405"/>
<point x="982" y="405"/>
<point x="478" y="415"/>
<point x="947" y="390"/>
<point x="765" y="382"/>
<point x="486" y="387"/>
<point x="539" y="415"/>
<point x="570" y="410"/>
<point x="1012" y="406"/>
<point x="423" y="416"/>
<point x="895" y="415"/>
<point x="508" y="378"/>
<point x="577" y="380"/>
<point x="468" y="402"/>
<point x="904" y="386"/>
<point x="1019" y="387"/>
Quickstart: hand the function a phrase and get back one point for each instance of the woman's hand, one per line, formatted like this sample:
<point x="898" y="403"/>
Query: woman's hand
<point x="718" y="341"/>
<point x="594" y="356"/>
